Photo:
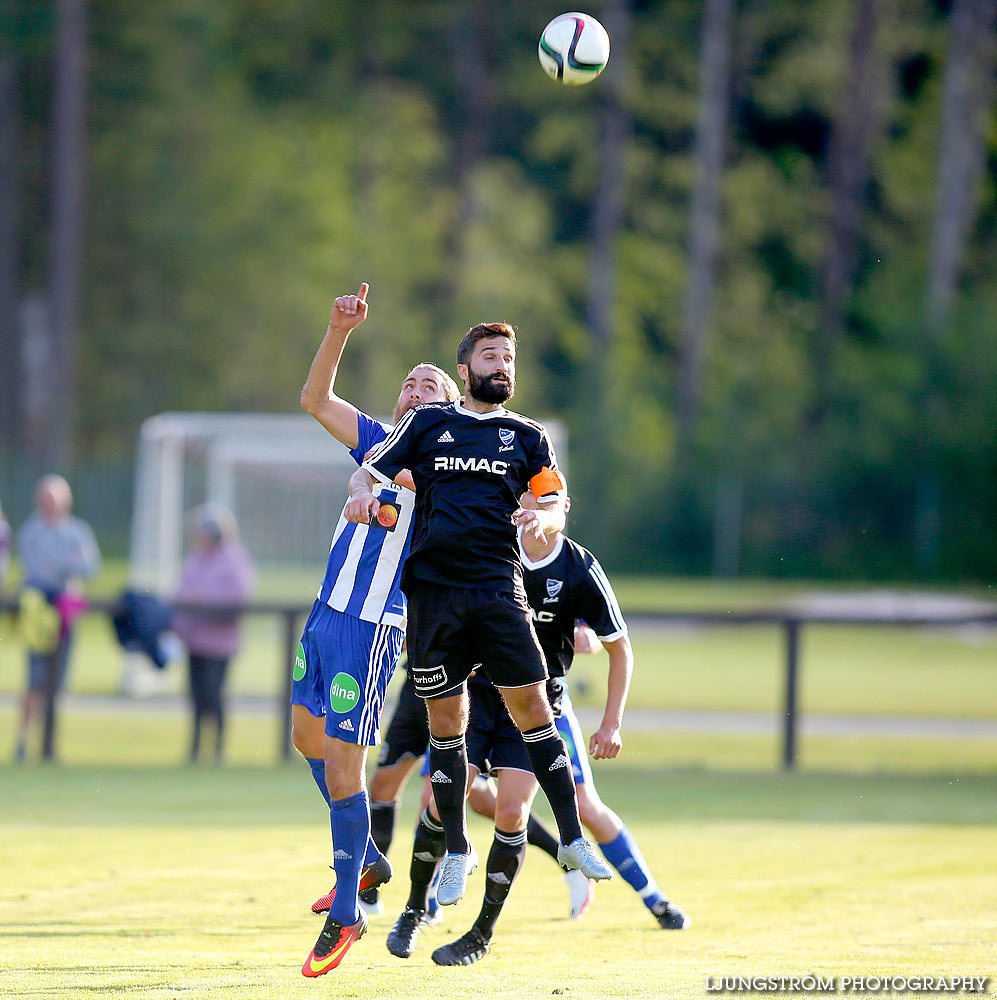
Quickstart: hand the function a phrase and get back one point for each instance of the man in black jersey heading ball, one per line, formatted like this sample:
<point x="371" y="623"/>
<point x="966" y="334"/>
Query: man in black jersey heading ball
<point x="471" y="461"/>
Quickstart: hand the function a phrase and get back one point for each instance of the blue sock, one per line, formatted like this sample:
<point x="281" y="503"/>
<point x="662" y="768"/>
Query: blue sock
<point x="372" y="854"/>
<point x="624" y="855"/>
<point x="317" y="764"/>
<point x="350" y="837"/>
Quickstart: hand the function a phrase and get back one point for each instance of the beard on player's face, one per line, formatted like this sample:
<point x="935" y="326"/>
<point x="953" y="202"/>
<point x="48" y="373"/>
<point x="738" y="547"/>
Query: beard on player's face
<point x="494" y="388"/>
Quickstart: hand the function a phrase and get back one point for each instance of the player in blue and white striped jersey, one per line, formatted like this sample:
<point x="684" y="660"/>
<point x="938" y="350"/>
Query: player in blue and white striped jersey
<point x="354" y="634"/>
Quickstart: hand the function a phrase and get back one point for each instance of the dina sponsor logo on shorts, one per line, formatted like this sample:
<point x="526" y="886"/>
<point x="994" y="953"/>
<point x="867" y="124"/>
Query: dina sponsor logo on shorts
<point x="344" y="694"/>
<point x="300" y="667"/>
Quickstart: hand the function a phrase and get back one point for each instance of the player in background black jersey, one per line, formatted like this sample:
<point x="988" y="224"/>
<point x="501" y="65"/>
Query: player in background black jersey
<point x="564" y="583"/>
<point x="471" y="461"/>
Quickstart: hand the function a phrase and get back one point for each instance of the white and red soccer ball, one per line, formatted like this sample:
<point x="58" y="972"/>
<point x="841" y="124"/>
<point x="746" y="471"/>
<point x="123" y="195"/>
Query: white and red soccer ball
<point x="574" y="49"/>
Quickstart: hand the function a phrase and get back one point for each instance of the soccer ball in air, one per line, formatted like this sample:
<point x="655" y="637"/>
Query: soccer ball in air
<point x="574" y="49"/>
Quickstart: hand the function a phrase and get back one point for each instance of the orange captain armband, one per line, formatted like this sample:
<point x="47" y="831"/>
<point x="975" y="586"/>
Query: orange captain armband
<point x="546" y="484"/>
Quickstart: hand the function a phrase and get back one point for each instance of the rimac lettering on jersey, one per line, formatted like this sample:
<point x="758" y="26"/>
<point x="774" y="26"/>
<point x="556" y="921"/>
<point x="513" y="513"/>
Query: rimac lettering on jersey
<point x="470" y="470"/>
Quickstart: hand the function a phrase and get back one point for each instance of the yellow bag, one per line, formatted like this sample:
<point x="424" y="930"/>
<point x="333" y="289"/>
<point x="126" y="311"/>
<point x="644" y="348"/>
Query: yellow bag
<point x="40" y="622"/>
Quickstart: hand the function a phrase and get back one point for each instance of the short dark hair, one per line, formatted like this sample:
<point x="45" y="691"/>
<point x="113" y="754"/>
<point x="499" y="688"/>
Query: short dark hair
<point x="483" y="331"/>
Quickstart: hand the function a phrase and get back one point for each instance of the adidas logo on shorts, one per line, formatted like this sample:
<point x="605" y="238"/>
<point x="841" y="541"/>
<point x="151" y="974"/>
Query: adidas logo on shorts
<point x="445" y="438"/>
<point x="440" y="778"/>
<point x="561" y="761"/>
<point x="341" y="855"/>
<point x="347" y="725"/>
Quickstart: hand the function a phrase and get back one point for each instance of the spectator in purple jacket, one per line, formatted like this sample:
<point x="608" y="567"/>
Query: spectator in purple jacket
<point x="217" y="571"/>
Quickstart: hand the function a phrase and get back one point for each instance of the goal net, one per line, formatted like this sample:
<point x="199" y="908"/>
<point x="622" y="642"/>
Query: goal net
<point x="283" y="476"/>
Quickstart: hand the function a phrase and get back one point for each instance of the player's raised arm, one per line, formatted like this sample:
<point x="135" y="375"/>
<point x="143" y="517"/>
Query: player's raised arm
<point x="318" y="396"/>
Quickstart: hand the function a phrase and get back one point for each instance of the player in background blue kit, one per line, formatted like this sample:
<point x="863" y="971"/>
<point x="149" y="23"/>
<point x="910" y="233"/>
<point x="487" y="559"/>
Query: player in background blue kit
<point x="353" y="636"/>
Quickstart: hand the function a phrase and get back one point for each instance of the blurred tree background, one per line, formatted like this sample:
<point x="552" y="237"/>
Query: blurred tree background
<point x="752" y="266"/>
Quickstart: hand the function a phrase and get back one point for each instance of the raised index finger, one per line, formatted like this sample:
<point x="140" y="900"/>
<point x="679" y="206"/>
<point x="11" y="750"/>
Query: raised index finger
<point x="362" y="291"/>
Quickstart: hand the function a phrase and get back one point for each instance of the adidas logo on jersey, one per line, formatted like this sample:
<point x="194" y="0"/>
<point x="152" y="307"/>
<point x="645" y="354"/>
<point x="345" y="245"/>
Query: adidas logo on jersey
<point x="347" y="725"/>
<point x="341" y="855"/>
<point x="561" y="761"/>
<point x="445" y="438"/>
<point x="439" y="778"/>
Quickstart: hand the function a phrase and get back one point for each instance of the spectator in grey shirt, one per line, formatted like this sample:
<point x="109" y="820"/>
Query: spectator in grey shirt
<point x="57" y="552"/>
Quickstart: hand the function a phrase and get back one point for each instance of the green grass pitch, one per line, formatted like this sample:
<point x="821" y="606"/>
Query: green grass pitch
<point x="124" y="874"/>
<point x="123" y="879"/>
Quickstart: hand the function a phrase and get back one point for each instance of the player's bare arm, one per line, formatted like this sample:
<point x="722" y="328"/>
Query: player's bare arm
<point x="318" y="397"/>
<point x="546" y="519"/>
<point x="540" y="518"/>
<point x="606" y="742"/>
<point x="363" y="505"/>
<point x="586" y="641"/>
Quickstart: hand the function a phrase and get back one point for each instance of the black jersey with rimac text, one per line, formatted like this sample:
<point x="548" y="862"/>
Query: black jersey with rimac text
<point x="566" y="585"/>
<point x="470" y="470"/>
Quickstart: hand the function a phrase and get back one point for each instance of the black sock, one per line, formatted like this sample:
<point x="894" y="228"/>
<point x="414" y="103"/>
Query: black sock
<point x="428" y="848"/>
<point x="382" y="824"/>
<point x="448" y="775"/>
<point x="539" y="836"/>
<point x="504" y="861"/>
<point x="549" y="760"/>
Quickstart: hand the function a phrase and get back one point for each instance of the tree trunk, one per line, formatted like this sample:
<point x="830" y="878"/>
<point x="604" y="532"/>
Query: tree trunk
<point x="848" y="169"/>
<point x="10" y="341"/>
<point x="607" y="219"/>
<point x="67" y="221"/>
<point x="472" y="65"/>
<point x="711" y="127"/>
<point x="967" y="107"/>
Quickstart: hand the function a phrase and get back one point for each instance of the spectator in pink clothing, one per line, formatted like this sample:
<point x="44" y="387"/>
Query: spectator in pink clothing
<point x="217" y="571"/>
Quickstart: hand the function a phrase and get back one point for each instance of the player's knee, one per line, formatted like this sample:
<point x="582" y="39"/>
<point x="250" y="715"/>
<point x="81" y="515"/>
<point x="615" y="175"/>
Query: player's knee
<point x="588" y="811"/>
<point x="385" y="784"/>
<point x="305" y="743"/>
<point x="530" y="709"/>
<point x="447" y="718"/>
<point x="511" y="817"/>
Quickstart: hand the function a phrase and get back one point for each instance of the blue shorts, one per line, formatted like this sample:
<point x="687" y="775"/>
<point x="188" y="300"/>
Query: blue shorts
<point x="341" y="672"/>
<point x="574" y="740"/>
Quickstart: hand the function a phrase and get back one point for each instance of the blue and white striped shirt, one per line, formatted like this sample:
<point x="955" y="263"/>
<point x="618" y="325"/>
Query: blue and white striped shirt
<point x="363" y="575"/>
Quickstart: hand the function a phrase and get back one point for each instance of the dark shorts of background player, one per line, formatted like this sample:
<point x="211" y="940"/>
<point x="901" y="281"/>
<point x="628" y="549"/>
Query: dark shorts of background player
<point x="408" y="733"/>
<point x="493" y="741"/>
<point x="451" y="630"/>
